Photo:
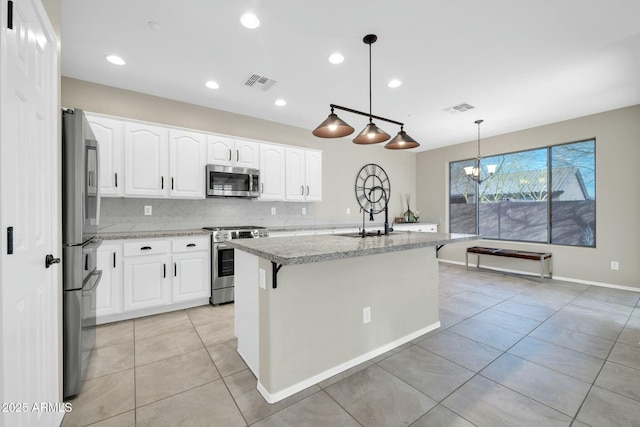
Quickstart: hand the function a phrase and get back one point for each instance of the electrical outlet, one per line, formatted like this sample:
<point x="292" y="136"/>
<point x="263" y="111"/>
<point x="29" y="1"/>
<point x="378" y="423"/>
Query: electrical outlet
<point x="273" y="211"/>
<point x="615" y="265"/>
<point x="147" y="210"/>
<point x="366" y="315"/>
<point x="348" y="211"/>
<point x="304" y="211"/>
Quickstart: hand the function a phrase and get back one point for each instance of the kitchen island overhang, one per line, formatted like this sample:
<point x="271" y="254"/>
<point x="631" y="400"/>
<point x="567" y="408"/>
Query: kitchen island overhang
<point x="311" y="326"/>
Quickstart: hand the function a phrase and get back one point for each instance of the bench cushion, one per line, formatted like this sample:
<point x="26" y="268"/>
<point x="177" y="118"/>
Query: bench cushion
<point x="509" y="253"/>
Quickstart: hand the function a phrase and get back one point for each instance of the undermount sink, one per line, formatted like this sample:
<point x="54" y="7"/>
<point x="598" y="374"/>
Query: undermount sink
<point x="367" y="234"/>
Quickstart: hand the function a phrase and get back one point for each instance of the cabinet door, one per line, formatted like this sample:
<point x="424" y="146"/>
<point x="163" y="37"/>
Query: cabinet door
<point x="190" y="276"/>
<point x="109" y="294"/>
<point x="147" y="281"/>
<point x="272" y="172"/>
<point x="295" y="175"/>
<point x="186" y="164"/>
<point x="220" y="150"/>
<point x="313" y="176"/>
<point x="146" y="166"/>
<point x="247" y="154"/>
<point x="110" y="135"/>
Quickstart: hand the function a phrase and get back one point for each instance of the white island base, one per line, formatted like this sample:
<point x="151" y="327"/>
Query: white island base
<point x="311" y="326"/>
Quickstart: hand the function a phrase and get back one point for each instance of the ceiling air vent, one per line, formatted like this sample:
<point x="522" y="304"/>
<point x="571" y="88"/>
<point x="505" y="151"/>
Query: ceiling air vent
<point x="460" y="108"/>
<point x="259" y="82"/>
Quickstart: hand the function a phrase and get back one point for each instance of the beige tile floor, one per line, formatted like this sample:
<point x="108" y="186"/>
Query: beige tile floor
<point x="512" y="351"/>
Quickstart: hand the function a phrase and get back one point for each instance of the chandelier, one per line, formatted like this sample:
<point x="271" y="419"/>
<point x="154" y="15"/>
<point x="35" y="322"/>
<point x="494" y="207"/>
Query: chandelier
<point x="473" y="172"/>
<point x="334" y="127"/>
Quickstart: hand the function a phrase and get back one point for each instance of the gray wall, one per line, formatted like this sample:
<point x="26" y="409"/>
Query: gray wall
<point x="617" y="136"/>
<point x="341" y="162"/>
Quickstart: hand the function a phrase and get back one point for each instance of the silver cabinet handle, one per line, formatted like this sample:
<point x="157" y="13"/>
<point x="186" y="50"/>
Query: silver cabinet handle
<point x="237" y="155"/>
<point x="262" y="187"/>
<point x="302" y="190"/>
<point x="229" y="154"/>
<point x="307" y="190"/>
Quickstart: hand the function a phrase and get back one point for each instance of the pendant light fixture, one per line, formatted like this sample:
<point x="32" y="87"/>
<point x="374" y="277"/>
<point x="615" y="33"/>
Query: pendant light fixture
<point x="473" y="172"/>
<point x="335" y="127"/>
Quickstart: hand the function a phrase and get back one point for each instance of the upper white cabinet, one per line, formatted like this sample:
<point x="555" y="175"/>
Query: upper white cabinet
<point x="222" y="150"/>
<point x="303" y="175"/>
<point x="313" y="175"/>
<point x="145" y="154"/>
<point x="186" y="164"/>
<point x="146" y="160"/>
<point x="110" y="133"/>
<point x="272" y="172"/>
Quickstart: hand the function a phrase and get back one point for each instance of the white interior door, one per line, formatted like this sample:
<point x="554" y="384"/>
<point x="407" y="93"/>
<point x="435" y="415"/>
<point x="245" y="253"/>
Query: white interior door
<point x="30" y="293"/>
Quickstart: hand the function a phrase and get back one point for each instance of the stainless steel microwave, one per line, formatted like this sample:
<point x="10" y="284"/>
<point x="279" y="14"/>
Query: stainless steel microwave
<point x="229" y="181"/>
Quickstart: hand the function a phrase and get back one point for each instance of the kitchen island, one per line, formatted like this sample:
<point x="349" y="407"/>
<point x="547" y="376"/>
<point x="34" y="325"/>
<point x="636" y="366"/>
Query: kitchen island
<point x="310" y="307"/>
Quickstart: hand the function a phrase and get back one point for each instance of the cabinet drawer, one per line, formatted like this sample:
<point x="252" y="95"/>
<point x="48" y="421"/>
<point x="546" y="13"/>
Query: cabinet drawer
<point x="147" y="247"/>
<point x="190" y="244"/>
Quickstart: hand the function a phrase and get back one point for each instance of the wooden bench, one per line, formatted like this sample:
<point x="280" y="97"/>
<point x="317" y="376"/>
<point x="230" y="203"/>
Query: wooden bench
<point x="510" y="253"/>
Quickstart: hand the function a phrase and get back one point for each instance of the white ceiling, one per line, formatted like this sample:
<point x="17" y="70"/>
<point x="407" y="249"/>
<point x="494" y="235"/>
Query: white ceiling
<point x="520" y="64"/>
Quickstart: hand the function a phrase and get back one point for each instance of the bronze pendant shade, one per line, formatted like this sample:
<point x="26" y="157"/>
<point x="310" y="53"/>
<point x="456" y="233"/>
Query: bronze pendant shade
<point x="334" y="127"/>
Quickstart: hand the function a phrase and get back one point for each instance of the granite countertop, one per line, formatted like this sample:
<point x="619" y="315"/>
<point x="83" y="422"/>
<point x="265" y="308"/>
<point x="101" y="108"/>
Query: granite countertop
<point x="368" y="226"/>
<point x="120" y="235"/>
<point x="316" y="248"/>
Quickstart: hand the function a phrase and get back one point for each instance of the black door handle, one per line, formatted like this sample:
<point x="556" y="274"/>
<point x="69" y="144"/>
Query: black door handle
<point x="191" y="245"/>
<point x="145" y="248"/>
<point x="50" y="260"/>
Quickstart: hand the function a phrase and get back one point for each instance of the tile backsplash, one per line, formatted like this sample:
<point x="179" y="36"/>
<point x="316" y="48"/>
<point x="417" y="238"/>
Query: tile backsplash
<point x="120" y="214"/>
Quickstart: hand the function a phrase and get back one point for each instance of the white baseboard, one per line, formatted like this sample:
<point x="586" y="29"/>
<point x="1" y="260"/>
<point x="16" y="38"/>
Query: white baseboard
<point x="150" y="311"/>
<point x="295" y="388"/>
<point x="562" y="278"/>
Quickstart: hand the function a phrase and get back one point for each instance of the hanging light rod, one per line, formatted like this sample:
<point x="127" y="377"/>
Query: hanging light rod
<point x="473" y="172"/>
<point x="351" y="110"/>
<point x="334" y="127"/>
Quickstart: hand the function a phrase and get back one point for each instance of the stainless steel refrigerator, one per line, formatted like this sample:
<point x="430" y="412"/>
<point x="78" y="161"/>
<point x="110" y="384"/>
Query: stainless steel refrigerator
<point x="80" y="217"/>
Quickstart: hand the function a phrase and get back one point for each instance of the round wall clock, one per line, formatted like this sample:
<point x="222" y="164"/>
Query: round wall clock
<point x="373" y="188"/>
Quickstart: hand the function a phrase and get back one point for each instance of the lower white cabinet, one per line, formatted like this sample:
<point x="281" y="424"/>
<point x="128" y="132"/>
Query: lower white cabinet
<point x="109" y="294"/>
<point x="416" y="226"/>
<point x="191" y="269"/>
<point x="142" y="277"/>
<point x="146" y="283"/>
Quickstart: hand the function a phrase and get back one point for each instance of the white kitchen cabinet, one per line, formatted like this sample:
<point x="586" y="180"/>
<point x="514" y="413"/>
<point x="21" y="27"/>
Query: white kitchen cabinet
<point x="110" y="135"/>
<point x="303" y="174"/>
<point x="313" y="175"/>
<point x="109" y="294"/>
<point x="146" y="165"/>
<point x="272" y="172"/>
<point x="416" y="226"/>
<point x="295" y="175"/>
<point x="141" y="277"/>
<point x="147" y="275"/>
<point x="191" y="268"/>
<point x="225" y="151"/>
<point x="186" y="164"/>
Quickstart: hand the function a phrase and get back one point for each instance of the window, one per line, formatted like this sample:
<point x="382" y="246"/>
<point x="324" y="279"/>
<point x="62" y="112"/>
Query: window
<point x="545" y="195"/>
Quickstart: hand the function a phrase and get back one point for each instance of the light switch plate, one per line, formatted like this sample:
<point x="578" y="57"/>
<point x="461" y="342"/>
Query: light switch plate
<point x="273" y="211"/>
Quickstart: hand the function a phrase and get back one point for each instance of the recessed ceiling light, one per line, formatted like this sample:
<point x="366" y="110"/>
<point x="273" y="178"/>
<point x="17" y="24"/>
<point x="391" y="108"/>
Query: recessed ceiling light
<point x="394" y="83"/>
<point x="249" y="20"/>
<point x="115" y="59"/>
<point x="212" y="85"/>
<point x="153" y="25"/>
<point x="336" y="58"/>
<point x="280" y="102"/>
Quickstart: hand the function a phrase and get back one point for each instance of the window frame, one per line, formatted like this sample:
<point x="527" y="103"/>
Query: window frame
<point x="549" y="190"/>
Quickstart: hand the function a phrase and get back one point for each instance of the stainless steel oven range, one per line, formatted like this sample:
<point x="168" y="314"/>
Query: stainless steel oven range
<point x="222" y="259"/>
